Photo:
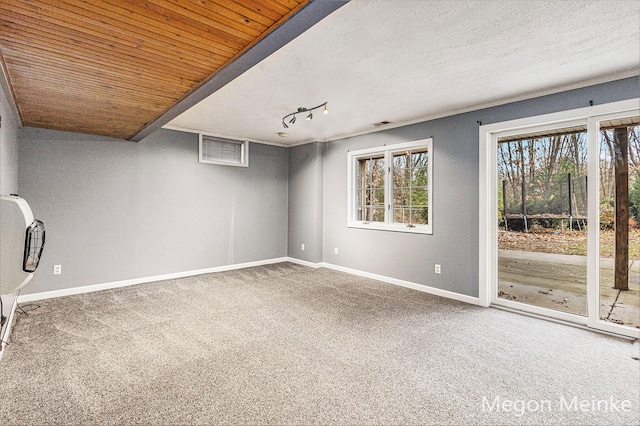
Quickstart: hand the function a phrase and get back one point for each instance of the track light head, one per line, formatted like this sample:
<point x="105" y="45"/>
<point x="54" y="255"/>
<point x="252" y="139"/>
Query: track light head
<point x="310" y="116"/>
<point x="293" y="120"/>
<point x="325" y="111"/>
<point x="285" y="125"/>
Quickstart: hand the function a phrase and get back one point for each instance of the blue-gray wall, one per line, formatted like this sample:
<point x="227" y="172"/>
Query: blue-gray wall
<point x="454" y="243"/>
<point x="116" y="210"/>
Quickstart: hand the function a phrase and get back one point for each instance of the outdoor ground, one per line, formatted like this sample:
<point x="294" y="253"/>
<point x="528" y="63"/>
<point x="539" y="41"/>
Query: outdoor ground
<point x="549" y="270"/>
<point x="563" y="242"/>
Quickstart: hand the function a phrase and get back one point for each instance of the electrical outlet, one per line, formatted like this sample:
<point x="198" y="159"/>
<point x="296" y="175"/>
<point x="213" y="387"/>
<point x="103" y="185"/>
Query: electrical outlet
<point x="335" y="250"/>
<point x="302" y="247"/>
<point x="57" y="269"/>
<point x="438" y="270"/>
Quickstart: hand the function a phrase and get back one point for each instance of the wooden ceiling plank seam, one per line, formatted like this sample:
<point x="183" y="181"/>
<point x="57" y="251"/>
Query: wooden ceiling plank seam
<point x="265" y="7"/>
<point x="69" y="65"/>
<point x="242" y="10"/>
<point x="66" y="114"/>
<point x="183" y="55"/>
<point x="45" y="79"/>
<point x="137" y="38"/>
<point x="28" y="36"/>
<point x="106" y="114"/>
<point x="216" y="20"/>
<point x="125" y="94"/>
<point x="117" y="134"/>
<point x="67" y="108"/>
<point x="134" y="16"/>
<point x="116" y="18"/>
<point x="71" y="85"/>
<point x="159" y="70"/>
<point x="288" y="4"/>
<point x="257" y="40"/>
<point x="218" y="7"/>
<point x="149" y="74"/>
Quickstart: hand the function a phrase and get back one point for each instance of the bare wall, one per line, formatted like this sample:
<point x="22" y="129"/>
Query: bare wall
<point x="8" y="147"/>
<point x="305" y="202"/>
<point x="117" y="210"/>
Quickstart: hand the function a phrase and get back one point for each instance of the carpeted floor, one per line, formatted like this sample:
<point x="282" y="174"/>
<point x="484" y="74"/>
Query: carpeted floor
<point x="287" y="344"/>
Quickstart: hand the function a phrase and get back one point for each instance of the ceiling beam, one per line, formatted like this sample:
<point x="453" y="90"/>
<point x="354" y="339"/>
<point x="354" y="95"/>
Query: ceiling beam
<point x="304" y="19"/>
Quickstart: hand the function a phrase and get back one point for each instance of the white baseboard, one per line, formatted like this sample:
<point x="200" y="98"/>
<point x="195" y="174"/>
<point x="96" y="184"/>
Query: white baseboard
<point x="116" y="284"/>
<point x="305" y="263"/>
<point x="423" y="288"/>
<point x="419" y="287"/>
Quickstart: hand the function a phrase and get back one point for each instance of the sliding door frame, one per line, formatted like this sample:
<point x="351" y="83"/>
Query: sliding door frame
<point x="488" y="206"/>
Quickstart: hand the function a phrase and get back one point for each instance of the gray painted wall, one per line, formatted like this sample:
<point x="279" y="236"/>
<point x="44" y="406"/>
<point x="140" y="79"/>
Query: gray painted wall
<point x="454" y="243"/>
<point x="8" y="147"/>
<point x="305" y="202"/>
<point x="117" y="210"/>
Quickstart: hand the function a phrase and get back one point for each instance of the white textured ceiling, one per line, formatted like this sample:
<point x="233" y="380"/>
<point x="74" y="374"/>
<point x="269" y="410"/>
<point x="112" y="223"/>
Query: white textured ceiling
<point x="406" y="61"/>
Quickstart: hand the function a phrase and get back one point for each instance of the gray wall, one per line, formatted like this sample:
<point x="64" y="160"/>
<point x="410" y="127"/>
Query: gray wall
<point x="8" y="147"/>
<point x="454" y="243"/>
<point x="305" y="202"/>
<point x="116" y="210"/>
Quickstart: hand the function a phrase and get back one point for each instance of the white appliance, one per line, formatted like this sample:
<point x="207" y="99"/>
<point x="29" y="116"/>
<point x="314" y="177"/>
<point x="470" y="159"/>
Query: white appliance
<point x="21" y="243"/>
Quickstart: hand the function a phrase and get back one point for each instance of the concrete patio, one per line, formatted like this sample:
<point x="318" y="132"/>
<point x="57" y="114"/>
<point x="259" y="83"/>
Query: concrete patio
<point x="558" y="281"/>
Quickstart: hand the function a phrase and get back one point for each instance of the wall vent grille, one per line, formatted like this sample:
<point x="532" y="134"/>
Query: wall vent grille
<point x="216" y="150"/>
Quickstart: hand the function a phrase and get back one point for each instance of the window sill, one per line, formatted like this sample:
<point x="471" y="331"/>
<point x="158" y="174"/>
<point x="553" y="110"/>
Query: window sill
<point x="420" y="229"/>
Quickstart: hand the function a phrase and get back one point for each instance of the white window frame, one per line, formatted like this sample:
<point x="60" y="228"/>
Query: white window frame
<point x="244" y="153"/>
<point x="387" y="151"/>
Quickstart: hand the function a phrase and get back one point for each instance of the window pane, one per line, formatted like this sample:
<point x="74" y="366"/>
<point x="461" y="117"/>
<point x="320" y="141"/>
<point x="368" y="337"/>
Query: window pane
<point x="370" y="189"/>
<point x="419" y="197"/>
<point x="377" y="214"/>
<point x="401" y="197"/>
<point x="420" y="216"/>
<point x="410" y="186"/>
<point x="419" y="159"/>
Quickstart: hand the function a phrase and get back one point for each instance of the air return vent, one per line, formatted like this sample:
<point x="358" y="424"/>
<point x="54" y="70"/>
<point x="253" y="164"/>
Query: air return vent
<point x="216" y="150"/>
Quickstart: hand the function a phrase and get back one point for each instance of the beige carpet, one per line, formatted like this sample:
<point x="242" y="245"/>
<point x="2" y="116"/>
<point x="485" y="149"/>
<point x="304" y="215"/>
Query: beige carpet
<point x="287" y="344"/>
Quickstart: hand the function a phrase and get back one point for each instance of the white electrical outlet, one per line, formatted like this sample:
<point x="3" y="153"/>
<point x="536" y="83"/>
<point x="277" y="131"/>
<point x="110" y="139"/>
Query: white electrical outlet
<point x="438" y="270"/>
<point x="57" y="269"/>
<point x="335" y="250"/>
<point x="302" y="247"/>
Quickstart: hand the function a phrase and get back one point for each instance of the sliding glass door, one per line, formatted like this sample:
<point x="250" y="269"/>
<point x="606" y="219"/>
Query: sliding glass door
<point x="562" y="235"/>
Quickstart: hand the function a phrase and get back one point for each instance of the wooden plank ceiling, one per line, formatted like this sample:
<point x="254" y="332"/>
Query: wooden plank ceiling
<point x="112" y="67"/>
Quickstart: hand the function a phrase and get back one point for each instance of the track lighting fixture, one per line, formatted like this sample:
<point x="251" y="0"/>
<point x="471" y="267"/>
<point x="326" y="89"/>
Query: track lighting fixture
<point x="303" y="110"/>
